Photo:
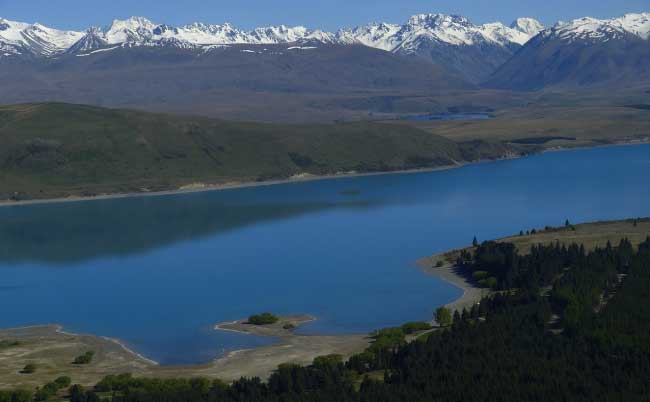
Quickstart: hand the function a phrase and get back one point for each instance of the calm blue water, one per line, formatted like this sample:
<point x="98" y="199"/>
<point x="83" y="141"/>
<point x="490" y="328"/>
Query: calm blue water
<point x="449" y="116"/>
<point x="158" y="272"/>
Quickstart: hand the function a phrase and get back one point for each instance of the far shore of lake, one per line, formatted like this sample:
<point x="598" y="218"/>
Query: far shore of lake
<point x="199" y="187"/>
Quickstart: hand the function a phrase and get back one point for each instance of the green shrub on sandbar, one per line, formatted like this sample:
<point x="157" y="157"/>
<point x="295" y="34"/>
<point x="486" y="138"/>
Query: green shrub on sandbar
<point x="29" y="369"/>
<point x="86" y="358"/>
<point x="263" y="319"/>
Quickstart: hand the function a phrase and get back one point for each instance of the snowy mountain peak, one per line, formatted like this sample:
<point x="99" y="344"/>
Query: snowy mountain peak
<point x="132" y="23"/>
<point x="438" y="20"/>
<point x="529" y="26"/>
<point x="593" y="29"/>
<point x="638" y="24"/>
<point x="133" y="29"/>
<point x="35" y="38"/>
<point x="92" y="40"/>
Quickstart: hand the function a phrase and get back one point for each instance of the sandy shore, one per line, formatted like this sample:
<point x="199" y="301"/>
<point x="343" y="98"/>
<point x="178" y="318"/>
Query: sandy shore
<point x="448" y="273"/>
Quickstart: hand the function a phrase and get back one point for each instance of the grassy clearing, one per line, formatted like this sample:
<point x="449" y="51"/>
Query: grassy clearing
<point x="591" y="235"/>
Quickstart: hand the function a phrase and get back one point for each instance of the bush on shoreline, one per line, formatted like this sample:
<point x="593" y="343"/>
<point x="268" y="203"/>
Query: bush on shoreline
<point x="29" y="369"/>
<point x="86" y="358"/>
<point x="263" y="319"/>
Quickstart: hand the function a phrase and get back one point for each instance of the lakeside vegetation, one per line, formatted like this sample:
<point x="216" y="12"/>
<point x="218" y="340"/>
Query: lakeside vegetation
<point x="566" y="322"/>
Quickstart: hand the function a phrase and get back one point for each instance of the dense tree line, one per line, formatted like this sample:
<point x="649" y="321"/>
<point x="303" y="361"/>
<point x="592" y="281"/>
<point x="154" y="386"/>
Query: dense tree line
<point x="564" y="325"/>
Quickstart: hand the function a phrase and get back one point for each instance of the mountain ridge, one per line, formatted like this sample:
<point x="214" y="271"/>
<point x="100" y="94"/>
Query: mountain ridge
<point x="583" y="52"/>
<point x="452" y="29"/>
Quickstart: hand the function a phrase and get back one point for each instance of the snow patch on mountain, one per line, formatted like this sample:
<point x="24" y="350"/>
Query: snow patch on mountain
<point x="593" y="29"/>
<point x="134" y="29"/>
<point x="436" y="28"/>
<point x="36" y="38"/>
<point x="529" y="26"/>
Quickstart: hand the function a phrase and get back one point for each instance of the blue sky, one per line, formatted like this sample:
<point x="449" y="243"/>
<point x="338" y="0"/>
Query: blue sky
<point x="329" y="15"/>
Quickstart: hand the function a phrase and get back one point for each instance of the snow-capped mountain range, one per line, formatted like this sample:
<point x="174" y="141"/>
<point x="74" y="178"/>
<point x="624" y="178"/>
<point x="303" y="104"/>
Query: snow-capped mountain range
<point x="595" y="30"/>
<point x="36" y="39"/>
<point x="20" y="37"/>
<point x="469" y="51"/>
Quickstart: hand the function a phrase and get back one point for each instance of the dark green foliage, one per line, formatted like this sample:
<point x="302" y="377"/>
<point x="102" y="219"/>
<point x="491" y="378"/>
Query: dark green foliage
<point x="16" y="396"/>
<point x="489" y="282"/>
<point x="440" y="263"/>
<point x="86" y="358"/>
<point x="301" y="161"/>
<point x="63" y="382"/>
<point x="413" y="327"/>
<point x="387" y="338"/>
<point x="51" y="388"/>
<point x="443" y="316"/>
<point x="29" y="369"/>
<point x="263" y="319"/>
<point x="478" y="275"/>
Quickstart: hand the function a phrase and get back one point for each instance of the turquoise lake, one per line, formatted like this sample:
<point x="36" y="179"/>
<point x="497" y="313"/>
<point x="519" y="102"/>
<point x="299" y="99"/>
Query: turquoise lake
<point x="159" y="272"/>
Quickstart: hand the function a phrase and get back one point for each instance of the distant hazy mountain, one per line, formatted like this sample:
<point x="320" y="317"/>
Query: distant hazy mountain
<point x="453" y="42"/>
<point x="583" y="52"/>
<point x="242" y="81"/>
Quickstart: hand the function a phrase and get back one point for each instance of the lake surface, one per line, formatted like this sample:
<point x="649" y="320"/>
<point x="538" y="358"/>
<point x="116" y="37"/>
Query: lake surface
<point x="159" y="272"/>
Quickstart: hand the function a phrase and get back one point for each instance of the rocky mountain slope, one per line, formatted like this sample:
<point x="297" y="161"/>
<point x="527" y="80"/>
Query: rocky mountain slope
<point x="584" y="52"/>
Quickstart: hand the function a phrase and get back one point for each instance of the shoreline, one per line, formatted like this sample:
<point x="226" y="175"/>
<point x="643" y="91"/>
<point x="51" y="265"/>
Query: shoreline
<point x="193" y="188"/>
<point x="59" y="330"/>
<point x="235" y="185"/>
<point x="471" y="294"/>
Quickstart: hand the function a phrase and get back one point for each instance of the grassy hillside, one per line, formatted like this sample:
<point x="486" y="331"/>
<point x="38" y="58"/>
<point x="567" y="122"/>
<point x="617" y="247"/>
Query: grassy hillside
<point x="54" y="150"/>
